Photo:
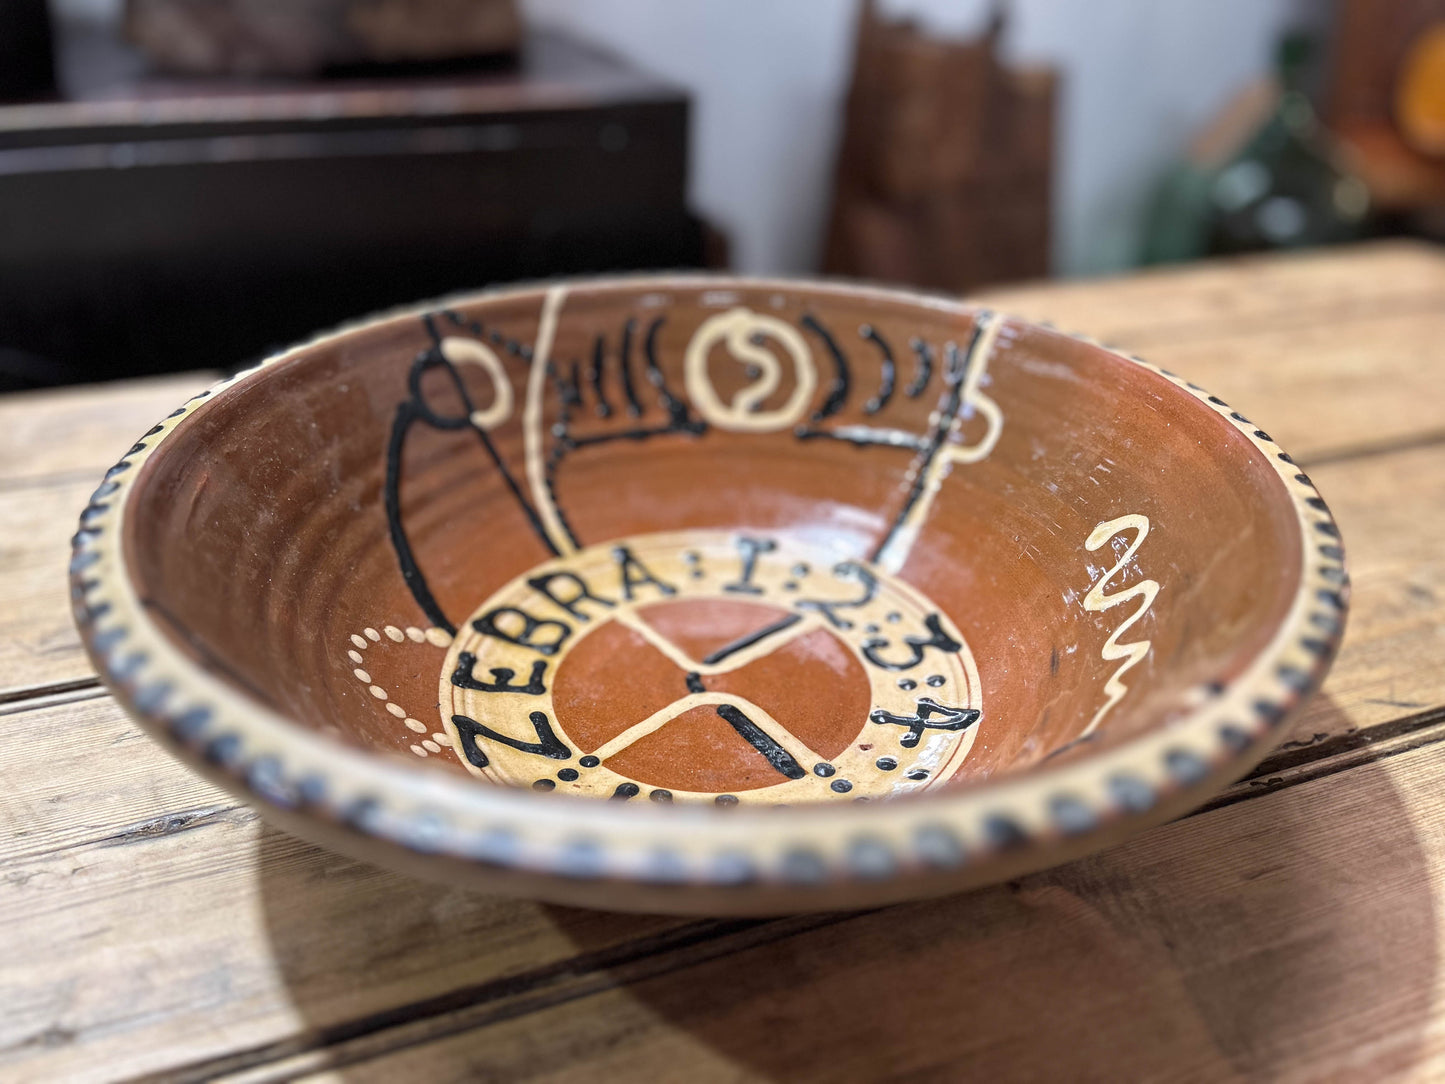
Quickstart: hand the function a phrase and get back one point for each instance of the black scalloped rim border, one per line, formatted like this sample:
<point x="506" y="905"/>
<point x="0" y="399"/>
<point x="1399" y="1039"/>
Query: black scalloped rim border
<point x="935" y="844"/>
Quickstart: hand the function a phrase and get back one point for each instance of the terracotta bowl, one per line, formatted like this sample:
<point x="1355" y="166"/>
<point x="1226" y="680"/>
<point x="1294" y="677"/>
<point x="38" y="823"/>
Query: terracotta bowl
<point x="710" y="594"/>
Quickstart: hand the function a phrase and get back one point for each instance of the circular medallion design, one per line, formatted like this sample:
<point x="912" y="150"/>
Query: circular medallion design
<point x="711" y="666"/>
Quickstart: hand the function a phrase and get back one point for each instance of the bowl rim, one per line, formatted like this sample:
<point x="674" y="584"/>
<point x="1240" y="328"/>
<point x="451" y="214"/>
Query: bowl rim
<point x="1075" y="806"/>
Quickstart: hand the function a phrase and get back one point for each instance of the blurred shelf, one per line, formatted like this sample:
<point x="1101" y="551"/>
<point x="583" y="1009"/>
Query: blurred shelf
<point x="151" y="224"/>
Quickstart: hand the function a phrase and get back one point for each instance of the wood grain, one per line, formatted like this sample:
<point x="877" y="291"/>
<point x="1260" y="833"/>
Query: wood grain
<point x="165" y="926"/>
<point x="152" y="920"/>
<point x="1173" y="304"/>
<point x="77" y="433"/>
<point x="1391" y="513"/>
<point x="39" y="647"/>
<point x="54" y="448"/>
<point x="153" y="925"/>
<point x="1331" y="356"/>
<point x="1291" y="937"/>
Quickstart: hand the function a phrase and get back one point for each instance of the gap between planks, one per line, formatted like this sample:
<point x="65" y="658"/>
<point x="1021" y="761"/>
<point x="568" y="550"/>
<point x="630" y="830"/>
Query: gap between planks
<point x="34" y="697"/>
<point x="1368" y="450"/>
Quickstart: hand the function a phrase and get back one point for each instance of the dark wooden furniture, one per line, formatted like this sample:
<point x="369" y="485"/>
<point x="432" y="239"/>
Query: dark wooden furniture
<point x="152" y="225"/>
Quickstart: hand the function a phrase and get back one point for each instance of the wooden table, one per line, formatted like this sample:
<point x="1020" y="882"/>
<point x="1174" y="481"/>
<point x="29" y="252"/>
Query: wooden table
<point x="1293" y="929"/>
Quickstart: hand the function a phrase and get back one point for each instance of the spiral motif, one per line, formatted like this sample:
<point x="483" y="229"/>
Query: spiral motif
<point x="741" y="328"/>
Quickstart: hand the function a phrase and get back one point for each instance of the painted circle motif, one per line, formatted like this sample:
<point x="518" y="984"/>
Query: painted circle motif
<point x="744" y="332"/>
<point x="711" y="666"/>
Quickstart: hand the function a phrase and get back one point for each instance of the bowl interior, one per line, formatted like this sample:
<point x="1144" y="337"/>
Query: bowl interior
<point x="716" y="541"/>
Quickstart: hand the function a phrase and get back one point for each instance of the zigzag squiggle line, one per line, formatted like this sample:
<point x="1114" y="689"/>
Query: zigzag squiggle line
<point x="1096" y="600"/>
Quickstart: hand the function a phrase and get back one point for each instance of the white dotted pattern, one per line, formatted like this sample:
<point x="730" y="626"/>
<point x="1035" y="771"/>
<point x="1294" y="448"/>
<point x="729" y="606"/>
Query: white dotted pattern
<point x="368" y="636"/>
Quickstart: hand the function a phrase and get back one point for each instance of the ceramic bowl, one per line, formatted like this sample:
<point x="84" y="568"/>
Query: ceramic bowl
<point x="713" y="595"/>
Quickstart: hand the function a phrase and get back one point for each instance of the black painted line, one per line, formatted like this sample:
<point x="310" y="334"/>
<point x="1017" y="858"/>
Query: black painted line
<point x="569" y="395"/>
<point x="955" y="376"/>
<point x="675" y="408"/>
<point x="838" y="395"/>
<point x="634" y="407"/>
<point x="510" y="346"/>
<point x="751" y="638"/>
<point x="411" y="572"/>
<point x="923" y="355"/>
<point x="640" y="432"/>
<point x="888" y="377"/>
<point x="781" y="760"/>
<point x="435" y="357"/>
<point x="412" y="411"/>
<point x="566" y="388"/>
<point x="599" y="361"/>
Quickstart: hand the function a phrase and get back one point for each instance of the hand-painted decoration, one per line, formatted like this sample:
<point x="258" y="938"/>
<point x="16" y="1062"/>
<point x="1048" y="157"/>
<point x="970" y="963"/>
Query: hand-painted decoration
<point x="704" y="665"/>
<point x="1097" y="601"/>
<point x="755" y="646"/>
<point x="744" y="333"/>
<point x="964" y="374"/>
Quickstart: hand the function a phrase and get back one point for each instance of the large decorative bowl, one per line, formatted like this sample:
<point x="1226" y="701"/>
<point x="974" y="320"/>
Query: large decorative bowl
<point x="705" y="594"/>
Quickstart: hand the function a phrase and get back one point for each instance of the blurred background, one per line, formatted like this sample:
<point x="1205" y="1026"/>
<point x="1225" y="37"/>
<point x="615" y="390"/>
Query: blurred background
<point x="190" y="184"/>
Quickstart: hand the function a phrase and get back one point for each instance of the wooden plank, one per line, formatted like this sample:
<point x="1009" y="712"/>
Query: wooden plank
<point x="39" y="647"/>
<point x="1330" y="355"/>
<point x="192" y="933"/>
<point x="1391" y="513"/>
<point x="151" y="921"/>
<point x="81" y="431"/>
<point x="1331" y="389"/>
<point x="1176" y="303"/>
<point x="185" y="987"/>
<point x="1295" y="936"/>
<point x="54" y="447"/>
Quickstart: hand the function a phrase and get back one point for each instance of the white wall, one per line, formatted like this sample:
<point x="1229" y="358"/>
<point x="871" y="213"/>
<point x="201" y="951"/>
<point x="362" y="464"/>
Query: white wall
<point x="768" y="79"/>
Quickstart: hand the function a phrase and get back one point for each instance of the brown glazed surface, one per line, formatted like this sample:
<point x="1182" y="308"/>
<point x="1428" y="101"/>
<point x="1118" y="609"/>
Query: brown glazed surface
<point x="1019" y="513"/>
